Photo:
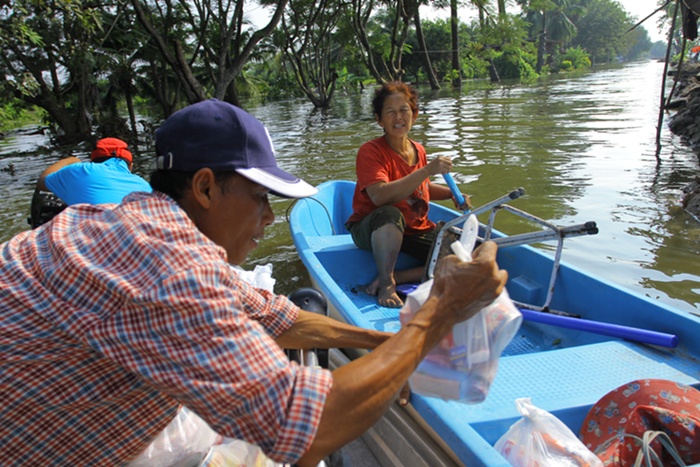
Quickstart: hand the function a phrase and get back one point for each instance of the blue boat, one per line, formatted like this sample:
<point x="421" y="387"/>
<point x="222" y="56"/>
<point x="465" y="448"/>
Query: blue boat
<point x="617" y="335"/>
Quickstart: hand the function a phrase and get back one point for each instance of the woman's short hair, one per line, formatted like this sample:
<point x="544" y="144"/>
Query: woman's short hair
<point x="394" y="87"/>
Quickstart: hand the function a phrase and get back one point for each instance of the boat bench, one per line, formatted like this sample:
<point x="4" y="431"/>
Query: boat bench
<point x="331" y="242"/>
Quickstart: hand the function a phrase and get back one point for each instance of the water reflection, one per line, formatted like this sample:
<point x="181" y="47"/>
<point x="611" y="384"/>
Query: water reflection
<point x="583" y="148"/>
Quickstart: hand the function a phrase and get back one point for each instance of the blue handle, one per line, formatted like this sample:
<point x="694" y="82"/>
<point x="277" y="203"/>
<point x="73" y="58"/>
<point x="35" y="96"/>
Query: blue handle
<point x="606" y="329"/>
<point x="453" y="187"/>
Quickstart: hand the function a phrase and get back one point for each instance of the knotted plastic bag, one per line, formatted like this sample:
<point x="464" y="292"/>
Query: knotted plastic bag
<point x="541" y="439"/>
<point x="464" y="364"/>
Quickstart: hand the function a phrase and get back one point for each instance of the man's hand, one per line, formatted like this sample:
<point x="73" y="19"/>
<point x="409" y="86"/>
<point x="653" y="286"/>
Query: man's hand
<point x="465" y="288"/>
<point x="364" y="388"/>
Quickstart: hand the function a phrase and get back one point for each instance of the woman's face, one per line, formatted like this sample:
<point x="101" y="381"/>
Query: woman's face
<point x="397" y="117"/>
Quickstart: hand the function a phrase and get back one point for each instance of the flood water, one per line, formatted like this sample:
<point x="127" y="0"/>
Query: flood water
<point x="583" y="148"/>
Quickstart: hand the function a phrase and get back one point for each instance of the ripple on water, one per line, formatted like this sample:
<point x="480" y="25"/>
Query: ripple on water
<point x="583" y="148"/>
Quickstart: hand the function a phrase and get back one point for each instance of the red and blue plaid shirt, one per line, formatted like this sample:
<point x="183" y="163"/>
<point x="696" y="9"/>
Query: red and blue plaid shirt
<point x="113" y="316"/>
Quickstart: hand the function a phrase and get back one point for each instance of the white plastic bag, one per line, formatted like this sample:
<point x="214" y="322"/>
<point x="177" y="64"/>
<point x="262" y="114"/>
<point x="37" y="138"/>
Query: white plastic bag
<point x="260" y="277"/>
<point x="541" y="439"/>
<point x="237" y="453"/>
<point x="464" y="364"/>
<point x="186" y="440"/>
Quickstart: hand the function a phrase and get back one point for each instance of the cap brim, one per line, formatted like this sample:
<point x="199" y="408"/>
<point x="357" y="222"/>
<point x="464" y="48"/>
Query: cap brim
<point x="279" y="182"/>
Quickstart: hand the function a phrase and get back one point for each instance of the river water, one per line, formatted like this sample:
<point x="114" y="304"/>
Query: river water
<point x="583" y="148"/>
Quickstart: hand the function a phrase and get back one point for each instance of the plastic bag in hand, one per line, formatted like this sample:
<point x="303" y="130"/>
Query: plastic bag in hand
<point x="540" y="439"/>
<point x="464" y="364"/>
<point x="185" y="440"/>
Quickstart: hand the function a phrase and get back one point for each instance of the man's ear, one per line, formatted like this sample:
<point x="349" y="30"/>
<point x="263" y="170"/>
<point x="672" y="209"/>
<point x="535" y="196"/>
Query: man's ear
<point x="203" y="183"/>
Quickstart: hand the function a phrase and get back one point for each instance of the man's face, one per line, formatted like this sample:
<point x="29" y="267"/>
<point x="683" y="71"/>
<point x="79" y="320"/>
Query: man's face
<point x="239" y="213"/>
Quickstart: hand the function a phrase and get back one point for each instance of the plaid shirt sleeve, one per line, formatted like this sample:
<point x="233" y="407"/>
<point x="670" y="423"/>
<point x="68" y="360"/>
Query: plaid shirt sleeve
<point x="200" y="345"/>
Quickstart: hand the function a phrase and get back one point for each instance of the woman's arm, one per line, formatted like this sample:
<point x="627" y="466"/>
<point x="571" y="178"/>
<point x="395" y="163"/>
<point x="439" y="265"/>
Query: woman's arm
<point x="384" y="193"/>
<point x="440" y="192"/>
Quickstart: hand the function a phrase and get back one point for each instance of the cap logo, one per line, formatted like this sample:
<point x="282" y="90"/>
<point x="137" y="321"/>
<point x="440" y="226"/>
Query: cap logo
<point x="165" y="162"/>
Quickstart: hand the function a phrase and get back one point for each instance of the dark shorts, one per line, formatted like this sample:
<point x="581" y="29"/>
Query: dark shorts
<point x="417" y="246"/>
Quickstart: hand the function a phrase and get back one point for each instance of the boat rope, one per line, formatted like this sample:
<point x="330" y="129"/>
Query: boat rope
<point x="646" y="453"/>
<point x="328" y="214"/>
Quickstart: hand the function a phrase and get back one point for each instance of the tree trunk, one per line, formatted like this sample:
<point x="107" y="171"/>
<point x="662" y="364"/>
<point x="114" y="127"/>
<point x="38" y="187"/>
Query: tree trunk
<point x="130" y="108"/>
<point x="454" y="26"/>
<point x="427" y="64"/>
<point x="493" y="72"/>
<point x="542" y="45"/>
<point x="501" y="8"/>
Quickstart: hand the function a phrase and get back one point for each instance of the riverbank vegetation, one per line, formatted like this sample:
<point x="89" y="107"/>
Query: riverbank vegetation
<point x="87" y="65"/>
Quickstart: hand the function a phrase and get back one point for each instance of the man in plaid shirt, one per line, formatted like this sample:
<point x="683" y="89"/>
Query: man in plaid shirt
<point x="112" y="317"/>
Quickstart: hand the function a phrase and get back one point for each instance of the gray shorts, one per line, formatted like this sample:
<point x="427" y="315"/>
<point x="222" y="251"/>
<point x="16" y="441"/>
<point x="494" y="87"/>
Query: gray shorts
<point x="417" y="246"/>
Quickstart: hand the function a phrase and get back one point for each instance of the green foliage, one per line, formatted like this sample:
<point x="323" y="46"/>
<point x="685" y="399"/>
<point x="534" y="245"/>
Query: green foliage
<point x="601" y="31"/>
<point x="513" y="62"/>
<point x="267" y="79"/>
<point x="475" y="68"/>
<point x="15" y="114"/>
<point x="575" y="58"/>
<point x="438" y="43"/>
<point x="475" y="64"/>
<point x="349" y="81"/>
<point x="88" y="58"/>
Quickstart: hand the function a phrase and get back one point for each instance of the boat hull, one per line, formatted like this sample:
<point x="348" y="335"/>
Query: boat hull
<point x="564" y="371"/>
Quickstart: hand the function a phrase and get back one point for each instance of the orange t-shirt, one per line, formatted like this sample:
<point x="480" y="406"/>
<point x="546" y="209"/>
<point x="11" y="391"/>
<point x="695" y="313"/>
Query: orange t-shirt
<point x="378" y="162"/>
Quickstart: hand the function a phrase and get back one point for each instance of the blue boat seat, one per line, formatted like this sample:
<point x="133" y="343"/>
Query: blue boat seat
<point x="593" y="371"/>
<point x="331" y="242"/>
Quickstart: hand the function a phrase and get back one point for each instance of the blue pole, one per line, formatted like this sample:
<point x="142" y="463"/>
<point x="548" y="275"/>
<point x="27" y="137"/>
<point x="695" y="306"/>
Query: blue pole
<point x="453" y="187"/>
<point x="606" y="329"/>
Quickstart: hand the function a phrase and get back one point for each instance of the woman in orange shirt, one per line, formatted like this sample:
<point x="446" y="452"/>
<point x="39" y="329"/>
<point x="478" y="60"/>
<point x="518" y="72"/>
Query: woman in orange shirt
<point x="390" y="204"/>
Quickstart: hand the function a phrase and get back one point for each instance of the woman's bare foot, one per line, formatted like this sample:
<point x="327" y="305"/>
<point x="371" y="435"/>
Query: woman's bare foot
<point x="386" y="295"/>
<point x="372" y="288"/>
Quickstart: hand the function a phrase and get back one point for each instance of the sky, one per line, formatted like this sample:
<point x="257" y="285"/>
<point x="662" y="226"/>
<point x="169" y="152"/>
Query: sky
<point x="641" y="9"/>
<point x="638" y="9"/>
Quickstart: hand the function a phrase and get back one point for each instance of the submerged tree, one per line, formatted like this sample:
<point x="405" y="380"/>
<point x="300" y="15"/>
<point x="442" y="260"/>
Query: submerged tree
<point x="384" y="40"/>
<point x="551" y="25"/>
<point x="308" y="42"/>
<point x="49" y="61"/>
<point x="209" y="35"/>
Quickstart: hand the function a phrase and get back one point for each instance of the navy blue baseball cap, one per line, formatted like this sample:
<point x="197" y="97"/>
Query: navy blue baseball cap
<point x="221" y="136"/>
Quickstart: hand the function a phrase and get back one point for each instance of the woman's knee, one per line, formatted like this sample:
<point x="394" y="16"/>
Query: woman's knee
<point x="381" y="218"/>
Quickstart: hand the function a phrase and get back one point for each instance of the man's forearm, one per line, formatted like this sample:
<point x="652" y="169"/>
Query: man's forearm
<point x="312" y="330"/>
<point x="364" y="388"/>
